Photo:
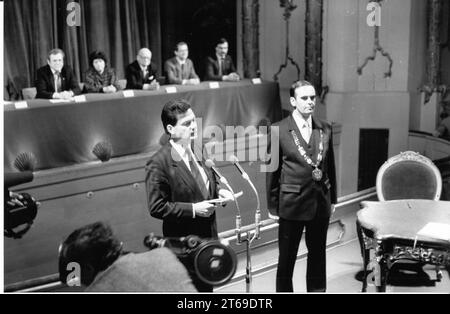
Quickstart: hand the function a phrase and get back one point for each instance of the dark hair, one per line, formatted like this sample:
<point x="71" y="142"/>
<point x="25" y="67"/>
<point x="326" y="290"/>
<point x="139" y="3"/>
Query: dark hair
<point x="297" y="85"/>
<point x="93" y="246"/>
<point x="171" y="110"/>
<point x="55" y="52"/>
<point x="97" y="55"/>
<point x="179" y="44"/>
<point x="221" y="41"/>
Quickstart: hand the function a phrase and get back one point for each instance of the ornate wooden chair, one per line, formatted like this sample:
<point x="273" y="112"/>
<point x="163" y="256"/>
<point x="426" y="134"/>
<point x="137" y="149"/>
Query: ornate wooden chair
<point x="406" y="176"/>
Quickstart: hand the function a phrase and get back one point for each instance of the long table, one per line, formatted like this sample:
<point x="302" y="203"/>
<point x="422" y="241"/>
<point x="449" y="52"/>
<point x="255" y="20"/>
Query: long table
<point x="63" y="134"/>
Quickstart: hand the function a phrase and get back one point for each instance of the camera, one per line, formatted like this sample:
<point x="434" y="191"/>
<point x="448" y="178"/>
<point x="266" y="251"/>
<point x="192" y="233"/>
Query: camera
<point x="20" y="209"/>
<point x="210" y="260"/>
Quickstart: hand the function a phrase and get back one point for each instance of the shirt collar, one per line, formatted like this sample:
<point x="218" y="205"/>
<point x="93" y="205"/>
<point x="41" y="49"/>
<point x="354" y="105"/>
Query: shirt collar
<point x="54" y="71"/>
<point x="219" y="57"/>
<point x="182" y="151"/>
<point x="300" y="120"/>
<point x="181" y="62"/>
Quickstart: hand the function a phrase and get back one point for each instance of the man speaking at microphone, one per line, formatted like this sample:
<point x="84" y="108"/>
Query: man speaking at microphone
<point x="178" y="184"/>
<point x="301" y="191"/>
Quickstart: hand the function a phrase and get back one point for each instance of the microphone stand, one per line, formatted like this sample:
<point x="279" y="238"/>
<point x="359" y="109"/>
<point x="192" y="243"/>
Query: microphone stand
<point x="238" y="216"/>
<point x="249" y="238"/>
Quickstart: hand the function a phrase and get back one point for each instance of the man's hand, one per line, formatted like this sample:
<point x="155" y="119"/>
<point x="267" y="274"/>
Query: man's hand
<point x="333" y="208"/>
<point x="203" y="209"/>
<point x="154" y="85"/>
<point x="193" y="81"/>
<point x="109" y="89"/>
<point x="65" y="95"/>
<point x="274" y="217"/>
<point x="15" y="199"/>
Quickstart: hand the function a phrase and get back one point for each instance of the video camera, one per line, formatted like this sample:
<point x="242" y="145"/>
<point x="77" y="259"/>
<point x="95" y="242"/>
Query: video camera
<point x="210" y="260"/>
<point x="20" y="208"/>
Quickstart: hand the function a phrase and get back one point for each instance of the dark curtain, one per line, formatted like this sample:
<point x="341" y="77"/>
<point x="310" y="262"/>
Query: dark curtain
<point x="117" y="27"/>
<point x="28" y="36"/>
<point x="200" y="23"/>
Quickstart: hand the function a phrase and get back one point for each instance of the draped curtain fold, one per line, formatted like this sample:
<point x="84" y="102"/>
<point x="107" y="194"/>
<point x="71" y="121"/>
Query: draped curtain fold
<point x="117" y="27"/>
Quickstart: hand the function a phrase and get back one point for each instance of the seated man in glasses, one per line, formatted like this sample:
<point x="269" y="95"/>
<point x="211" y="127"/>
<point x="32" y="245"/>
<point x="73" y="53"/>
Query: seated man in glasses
<point x="141" y="74"/>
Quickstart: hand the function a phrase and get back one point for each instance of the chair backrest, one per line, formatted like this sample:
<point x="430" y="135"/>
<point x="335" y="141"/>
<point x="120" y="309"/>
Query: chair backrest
<point x="408" y="175"/>
<point x="29" y="93"/>
<point x="122" y="83"/>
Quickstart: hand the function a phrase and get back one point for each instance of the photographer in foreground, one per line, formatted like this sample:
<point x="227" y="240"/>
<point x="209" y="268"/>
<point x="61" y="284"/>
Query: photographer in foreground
<point x="104" y="267"/>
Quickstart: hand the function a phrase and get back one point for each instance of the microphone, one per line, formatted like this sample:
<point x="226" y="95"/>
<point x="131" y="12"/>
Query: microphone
<point x="235" y="161"/>
<point x="210" y="164"/>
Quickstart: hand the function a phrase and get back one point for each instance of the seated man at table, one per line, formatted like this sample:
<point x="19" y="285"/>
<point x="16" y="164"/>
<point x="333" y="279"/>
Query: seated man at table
<point x="220" y="67"/>
<point x="55" y="80"/>
<point x="104" y="267"/>
<point x="141" y="74"/>
<point x="180" y="69"/>
<point x="99" y="77"/>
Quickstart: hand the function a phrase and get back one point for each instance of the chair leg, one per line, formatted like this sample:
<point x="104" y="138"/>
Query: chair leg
<point x="365" y="253"/>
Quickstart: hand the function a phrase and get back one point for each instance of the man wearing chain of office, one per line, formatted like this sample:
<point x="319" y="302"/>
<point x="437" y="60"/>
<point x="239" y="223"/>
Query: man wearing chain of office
<point x="301" y="192"/>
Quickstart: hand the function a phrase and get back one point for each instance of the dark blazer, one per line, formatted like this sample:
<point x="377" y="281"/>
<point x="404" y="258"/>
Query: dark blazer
<point x="212" y="68"/>
<point x="171" y="190"/>
<point x="45" y="82"/>
<point x="175" y="75"/>
<point x="292" y="194"/>
<point x="134" y="76"/>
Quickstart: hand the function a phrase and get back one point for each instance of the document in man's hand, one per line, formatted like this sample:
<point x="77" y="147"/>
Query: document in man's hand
<point x="225" y="200"/>
<point x="435" y="230"/>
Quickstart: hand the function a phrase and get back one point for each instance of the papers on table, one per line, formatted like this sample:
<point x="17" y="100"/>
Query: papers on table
<point x="20" y="105"/>
<point x="128" y="93"/>
<point x="256" y="81"/>
<point x="435" y="230"/>
<point x="58" y="101"/>
<point x="171" y="90"/>
<point x="214" y="85"/>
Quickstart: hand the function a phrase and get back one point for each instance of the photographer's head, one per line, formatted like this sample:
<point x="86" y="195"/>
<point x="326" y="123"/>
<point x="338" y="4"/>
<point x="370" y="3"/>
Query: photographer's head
<point x="93" y="247"/>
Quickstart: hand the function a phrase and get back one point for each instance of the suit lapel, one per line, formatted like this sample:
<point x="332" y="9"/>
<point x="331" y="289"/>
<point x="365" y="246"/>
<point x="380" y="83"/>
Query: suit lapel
<point x="182" y="170"/>
<point x="293" y="126"/>
<point x="50" y="78"/>
<point x="318" y="125"/>
<point x="198" y="152"/>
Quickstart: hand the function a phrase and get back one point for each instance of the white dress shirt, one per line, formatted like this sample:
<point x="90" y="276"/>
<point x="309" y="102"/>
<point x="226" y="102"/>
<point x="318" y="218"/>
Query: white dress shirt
<point x="184" y="155"/>
<point x="305" y="126"/>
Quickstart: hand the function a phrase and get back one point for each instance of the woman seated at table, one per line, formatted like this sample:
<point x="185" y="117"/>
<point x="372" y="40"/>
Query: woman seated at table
<point x="99" y="77"/>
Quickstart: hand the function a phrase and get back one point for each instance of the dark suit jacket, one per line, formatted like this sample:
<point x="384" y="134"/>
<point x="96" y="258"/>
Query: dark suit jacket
<point x="175" y="75"/>
<point x="45" y="82"/>
<point x="171" y="190"/>
<point x="212" y="68"/>
<point x="292" y="194"/>
<point x="134" y="76"/>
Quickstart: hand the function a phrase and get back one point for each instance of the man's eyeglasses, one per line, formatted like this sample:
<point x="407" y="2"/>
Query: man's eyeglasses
<point x="305" y="98"/>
